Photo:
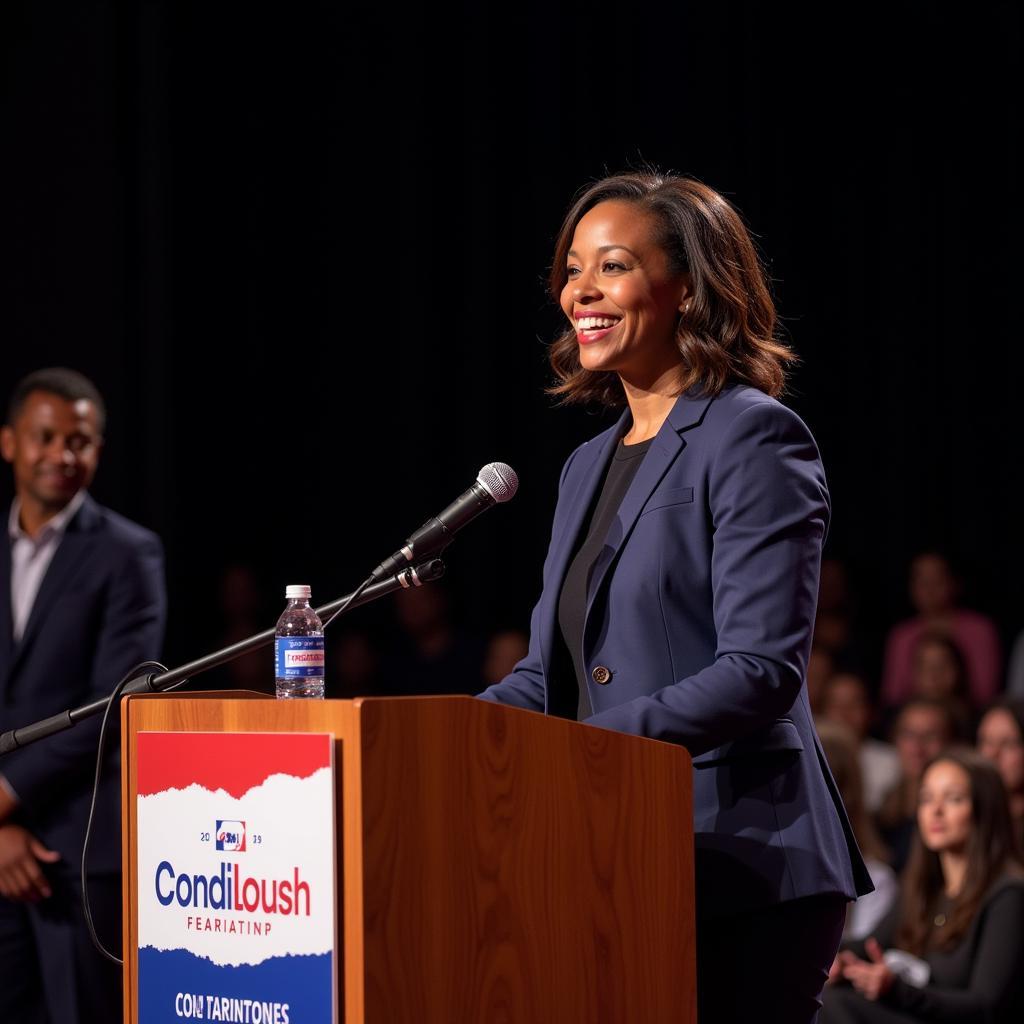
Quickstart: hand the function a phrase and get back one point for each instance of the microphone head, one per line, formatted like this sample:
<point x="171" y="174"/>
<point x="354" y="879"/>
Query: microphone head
<point x="499" y="481"/>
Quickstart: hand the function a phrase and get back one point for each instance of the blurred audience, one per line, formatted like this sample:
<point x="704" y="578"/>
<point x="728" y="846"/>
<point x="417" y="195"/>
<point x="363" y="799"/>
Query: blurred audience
<point x="242" y="604"/>
<point x="821" y="667"/>
<point x="952" y="948"/>
<point x="505" y="650"/>
<point x="934" y="591"/>
<point x="845" y="700"/>
<point x="1015" y="670"/>
<point x="863" y="916"/>
<point x="940" y="672"/>
<point x="353" y="664"/>
<point x="431" y="656"/>
<point x="922" y="730"/>
<point x="832" y="623"/>
<point x="1001" y="740"/>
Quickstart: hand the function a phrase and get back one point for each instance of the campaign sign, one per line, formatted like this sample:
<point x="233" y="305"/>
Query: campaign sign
<point x="236" y="887"/>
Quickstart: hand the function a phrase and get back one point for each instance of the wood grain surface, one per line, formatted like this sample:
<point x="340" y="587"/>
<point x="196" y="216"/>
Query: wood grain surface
<point x="519" y="868"/>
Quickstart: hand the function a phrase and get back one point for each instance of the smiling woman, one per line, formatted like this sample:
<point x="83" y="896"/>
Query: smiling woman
<point x="680" y="584"/>
<point x="679" y="244"/>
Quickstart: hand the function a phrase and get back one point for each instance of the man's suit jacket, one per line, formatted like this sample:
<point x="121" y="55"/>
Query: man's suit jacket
<point x="100" y="609"/>
<point x="698" y="627"/>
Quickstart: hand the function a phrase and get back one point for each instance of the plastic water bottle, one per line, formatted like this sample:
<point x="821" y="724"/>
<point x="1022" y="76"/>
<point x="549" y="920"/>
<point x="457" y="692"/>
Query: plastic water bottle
<point x="299" y="647"/>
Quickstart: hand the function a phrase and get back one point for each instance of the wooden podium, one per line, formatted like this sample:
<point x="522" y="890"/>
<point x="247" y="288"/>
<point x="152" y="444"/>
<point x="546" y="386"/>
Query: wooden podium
<point x="496" y="865"/>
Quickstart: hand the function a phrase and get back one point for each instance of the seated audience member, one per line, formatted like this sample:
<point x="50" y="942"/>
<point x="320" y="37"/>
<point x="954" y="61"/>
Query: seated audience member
<point x="864" y="915"/>
<point x="505" y="649"/>
<point x="940" y="673"/>
<point x="354" y="664"/>
<point x="243" y="613"/>
<point x="1001" y="740"/>
<point x="952" y="948"/>
<point x="933" y="593"/>
<point x="845" y="700"/>
<point x="820" y="668"/>
<point x="431" y="655"/>
<point x="832" y="624"/>
<point x="923" y="728"/>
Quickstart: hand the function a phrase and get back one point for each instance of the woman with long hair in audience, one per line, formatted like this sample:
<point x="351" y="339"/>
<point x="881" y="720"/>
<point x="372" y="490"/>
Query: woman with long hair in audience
<point x="923" y="728"/>
<point x="952" y="948"/>
<point x="1001" y="740"/>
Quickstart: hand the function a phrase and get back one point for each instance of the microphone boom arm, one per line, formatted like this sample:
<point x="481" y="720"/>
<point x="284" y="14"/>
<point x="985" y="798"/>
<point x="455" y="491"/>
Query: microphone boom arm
<point x="151" y="682"/>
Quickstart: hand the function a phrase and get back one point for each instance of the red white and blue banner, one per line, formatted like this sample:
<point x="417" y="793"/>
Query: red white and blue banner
<point x="236" y="886"/>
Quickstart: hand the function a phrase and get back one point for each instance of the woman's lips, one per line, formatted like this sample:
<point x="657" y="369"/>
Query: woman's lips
<point x="593" y="327"/>
<point x="589" y="337"/>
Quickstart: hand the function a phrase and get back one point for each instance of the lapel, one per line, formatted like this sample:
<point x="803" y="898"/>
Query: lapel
<point x="589" y="474"/>
<point x="77" y="541"/>
<point x="687" y="413"/>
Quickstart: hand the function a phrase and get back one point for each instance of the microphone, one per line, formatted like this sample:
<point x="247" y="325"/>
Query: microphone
<point x="495" y="483"/>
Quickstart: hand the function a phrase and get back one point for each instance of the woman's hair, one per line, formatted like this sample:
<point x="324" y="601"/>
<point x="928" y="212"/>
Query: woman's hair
<point x="990" y="853"/>
<point x="840" y="748"/>
<point x="728" y="333"/>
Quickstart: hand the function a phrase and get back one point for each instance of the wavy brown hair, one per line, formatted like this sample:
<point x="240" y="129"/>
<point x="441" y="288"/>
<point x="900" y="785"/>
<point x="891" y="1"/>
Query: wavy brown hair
<point x="729" y="333"/>
<point x="990" y="854"/>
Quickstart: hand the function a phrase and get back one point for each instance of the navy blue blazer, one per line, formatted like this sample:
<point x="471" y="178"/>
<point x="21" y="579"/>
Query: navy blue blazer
<point x="100" y="609"/>
<point x="698" y="627"/>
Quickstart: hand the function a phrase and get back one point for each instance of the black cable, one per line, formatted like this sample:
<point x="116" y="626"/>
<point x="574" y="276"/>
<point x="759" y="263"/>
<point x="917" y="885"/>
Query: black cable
<point x="351" y="597"/>
<point x="144" y="666"/>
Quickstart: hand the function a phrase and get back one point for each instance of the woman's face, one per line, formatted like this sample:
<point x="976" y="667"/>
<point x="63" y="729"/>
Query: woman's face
<point x="920" y="735"/>
<point x="1000" y="741"/>
<point x="620" y="295"/>
<point x="932" y="587"/>
<point x="846" y="702"/>
<point x="944" y="808"/>
<point x="935" y="671"/>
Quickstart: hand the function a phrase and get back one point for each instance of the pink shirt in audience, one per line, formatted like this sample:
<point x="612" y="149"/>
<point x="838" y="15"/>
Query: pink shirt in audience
<point x="973" y="633"/>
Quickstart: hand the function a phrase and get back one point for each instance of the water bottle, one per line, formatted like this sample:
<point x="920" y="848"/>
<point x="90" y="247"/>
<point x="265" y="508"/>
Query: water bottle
<point x="299" y="648"/>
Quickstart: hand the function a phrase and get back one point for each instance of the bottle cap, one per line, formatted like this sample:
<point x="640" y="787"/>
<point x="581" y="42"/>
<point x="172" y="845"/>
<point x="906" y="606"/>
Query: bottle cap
<point x="293" y="591"/>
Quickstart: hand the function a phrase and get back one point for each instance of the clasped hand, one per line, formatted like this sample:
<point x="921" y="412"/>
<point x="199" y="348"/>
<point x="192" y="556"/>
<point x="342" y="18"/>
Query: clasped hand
<point x="21" y="857"/>
<point x="871" y="978"/>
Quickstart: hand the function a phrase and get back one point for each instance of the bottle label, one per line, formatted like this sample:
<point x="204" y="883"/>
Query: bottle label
<point x="299" y="657"/>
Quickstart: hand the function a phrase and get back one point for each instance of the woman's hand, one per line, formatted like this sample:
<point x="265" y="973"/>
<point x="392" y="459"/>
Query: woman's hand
<point x="835" y="972"/>
<point x="872" y="979"/>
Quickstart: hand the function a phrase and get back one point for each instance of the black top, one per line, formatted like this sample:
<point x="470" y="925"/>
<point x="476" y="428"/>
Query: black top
<point x="569" y="682"/>
<point x="978" y="981"/>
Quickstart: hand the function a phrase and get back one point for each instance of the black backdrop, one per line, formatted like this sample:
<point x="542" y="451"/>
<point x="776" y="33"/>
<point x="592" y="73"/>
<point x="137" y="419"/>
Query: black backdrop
<point x="301" y="250"/>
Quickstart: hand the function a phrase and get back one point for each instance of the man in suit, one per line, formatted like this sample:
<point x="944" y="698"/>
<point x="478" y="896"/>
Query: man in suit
<point x="81" y="602"/>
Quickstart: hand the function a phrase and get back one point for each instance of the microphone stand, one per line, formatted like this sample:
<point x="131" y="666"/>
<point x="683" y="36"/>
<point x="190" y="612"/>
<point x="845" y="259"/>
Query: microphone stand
<point x="153" y="682"/>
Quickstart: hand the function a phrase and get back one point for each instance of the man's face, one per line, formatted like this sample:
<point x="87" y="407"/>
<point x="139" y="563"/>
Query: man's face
<point x="54" y="448"/>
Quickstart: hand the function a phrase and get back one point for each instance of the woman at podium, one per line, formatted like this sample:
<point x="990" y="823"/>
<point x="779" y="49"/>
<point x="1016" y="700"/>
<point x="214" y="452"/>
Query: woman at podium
<point x="680" y="583"/>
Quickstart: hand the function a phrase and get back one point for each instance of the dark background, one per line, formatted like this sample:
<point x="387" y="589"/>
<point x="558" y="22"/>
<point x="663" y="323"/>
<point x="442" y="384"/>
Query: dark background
<point x="301" y="250"/>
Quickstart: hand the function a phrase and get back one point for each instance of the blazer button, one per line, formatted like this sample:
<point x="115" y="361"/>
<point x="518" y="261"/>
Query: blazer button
<point x="601" y="675"/>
